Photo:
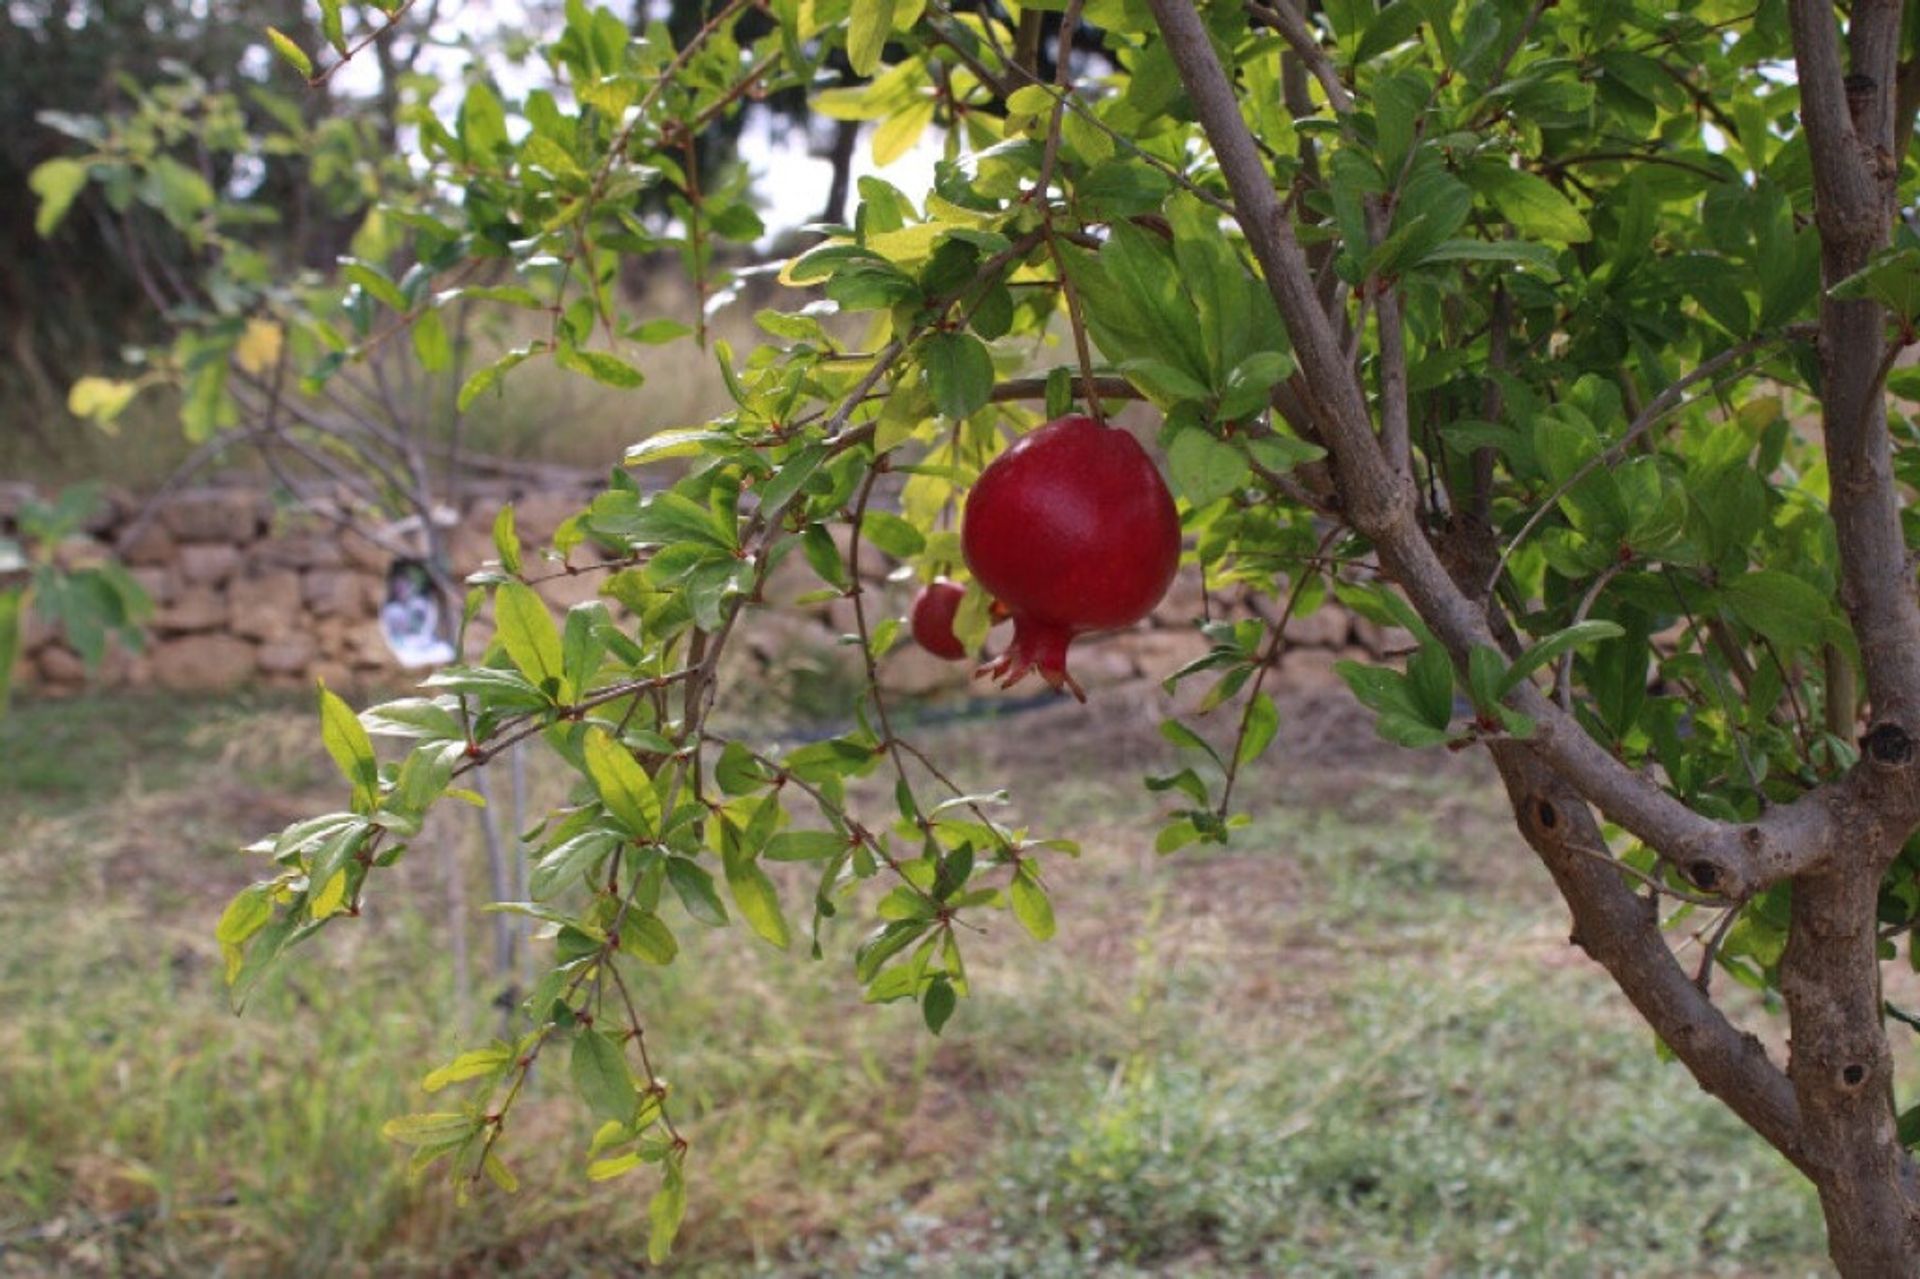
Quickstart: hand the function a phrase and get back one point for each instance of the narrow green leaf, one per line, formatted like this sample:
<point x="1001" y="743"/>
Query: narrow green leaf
<point x="9" y="641"/>
<point x="804" y="845"/>
<point x="352" y="750"/>
<point x="1263" y="721"/>
<point x="420" y="1130"/>
<point x="665" y="1212"/>
<point x="1591" y="631"/>
<point x="293" y="54"/>
<point x="506" y="540"/>
<point x="610" y="370"/>
<point x="470" y="1065"/>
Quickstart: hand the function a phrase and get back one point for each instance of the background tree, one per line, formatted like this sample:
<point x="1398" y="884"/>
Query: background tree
<point x="1502" y="322"/>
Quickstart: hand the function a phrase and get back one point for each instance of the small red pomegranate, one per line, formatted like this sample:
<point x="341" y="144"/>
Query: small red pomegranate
<point x="932" y="619"/>
<point x="1074" y="531"/>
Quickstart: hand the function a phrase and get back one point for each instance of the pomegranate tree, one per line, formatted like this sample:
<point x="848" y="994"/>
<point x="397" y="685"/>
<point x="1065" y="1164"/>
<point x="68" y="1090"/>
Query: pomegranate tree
<point x="1073" y="530"/>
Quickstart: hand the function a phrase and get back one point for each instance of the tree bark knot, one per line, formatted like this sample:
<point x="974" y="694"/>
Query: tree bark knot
<point x="1887" y="744"/>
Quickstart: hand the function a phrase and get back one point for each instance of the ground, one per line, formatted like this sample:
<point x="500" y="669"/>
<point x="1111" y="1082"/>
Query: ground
<point x="1354" y="1043"/>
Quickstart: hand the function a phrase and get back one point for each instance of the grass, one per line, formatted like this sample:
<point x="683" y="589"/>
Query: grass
<point x="1356" y="1043"/>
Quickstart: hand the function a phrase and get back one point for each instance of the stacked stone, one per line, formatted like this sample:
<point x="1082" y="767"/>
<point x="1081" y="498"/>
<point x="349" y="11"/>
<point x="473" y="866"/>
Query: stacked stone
<point x="247" y="594"/>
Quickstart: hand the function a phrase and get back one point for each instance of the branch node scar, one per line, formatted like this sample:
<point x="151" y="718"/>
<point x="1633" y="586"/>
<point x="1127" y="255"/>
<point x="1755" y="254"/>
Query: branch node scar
<point x="1887" y="743"/>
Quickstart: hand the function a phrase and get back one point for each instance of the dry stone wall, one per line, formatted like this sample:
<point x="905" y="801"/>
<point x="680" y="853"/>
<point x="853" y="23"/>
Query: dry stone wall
<point x="249" y="593"/>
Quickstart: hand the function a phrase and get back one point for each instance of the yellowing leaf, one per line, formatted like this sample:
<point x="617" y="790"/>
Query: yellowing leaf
<point x="868" y="27"/>
<point x="258" y="349"/>
<point x="295" y="56"/>
<point x="621" y="782"/>
<point x="899" y="131"/>
<point x="56" y="182"/>
<point x="100" y="398"/>
<point x="332" y="895"/>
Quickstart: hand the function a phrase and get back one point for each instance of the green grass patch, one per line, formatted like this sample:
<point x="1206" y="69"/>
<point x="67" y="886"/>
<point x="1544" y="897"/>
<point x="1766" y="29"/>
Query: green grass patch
<point x="1356" y="1043"/>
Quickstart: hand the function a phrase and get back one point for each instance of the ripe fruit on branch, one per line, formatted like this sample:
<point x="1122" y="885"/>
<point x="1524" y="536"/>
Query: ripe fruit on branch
<point x="932" y="619"/>
<point x="1074" y="531"/>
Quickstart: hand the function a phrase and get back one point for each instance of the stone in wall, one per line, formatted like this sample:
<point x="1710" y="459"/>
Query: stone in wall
<point x="203" y="662"/>
<point x="150" y="546"/>
<point x="299" y="550"/>
<point x="1382" y="641"/>
<point x="229" y="516"/>
<point x="289" y="655"/>
<point x="327" y="591"/>
<point x="1325" y="627"/>
<point x="208" y="563"/>
<point x="266" y="607"/>
<point x="194" y="608"/>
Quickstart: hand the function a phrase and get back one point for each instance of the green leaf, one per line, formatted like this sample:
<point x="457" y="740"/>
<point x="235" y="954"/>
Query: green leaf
<point x="331" y="28"/>
<point x="1263" y="722"/>
<point x="432" y="343"/>
<point x="1430" y="685"/>
<point x="754" y="894"/>
<point x="601" y="1077"/>
<point x="937" y="1005"/>
<point x="868" y="27"/>
<point x="1486" y="677"/>
<point x="694" y="886"/>
<point x="1591" y="631"/>
<point x="1394" y="25"/>
<point x="1534" y="206"/>
<point x="506" y="540"/>
<point x="1030" y="904"/>
<point x="804" y="846"/>
<point x="482" y="124"/>
<point x="420" y="1130"/>
<point x="1782" y="607"/>
<point x="644" y="934"/>
<point x="352" y="751"/>
<point x="665" y="1212"/>
<point x="244" y="916"/>
<point x="791" y="476"/>
<point x="1205" y="468"/>
<point x="527" y="632"/>
<point x="621" y="783"/>
<point x="959" y="372"/>
<point x="294" y="55"/>
<point x="892" y="534"/>
<point x="10" y="603"/>
<point x="470" y="1065"/>
<point x="610" y="370"/>
<point x="57" y="182"/>
<point x="483" y="379"/>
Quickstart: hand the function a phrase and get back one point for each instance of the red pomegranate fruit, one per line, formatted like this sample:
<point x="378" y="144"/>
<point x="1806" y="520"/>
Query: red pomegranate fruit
<point x="932" y="619"/>
<point x="1074" y="531"/>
